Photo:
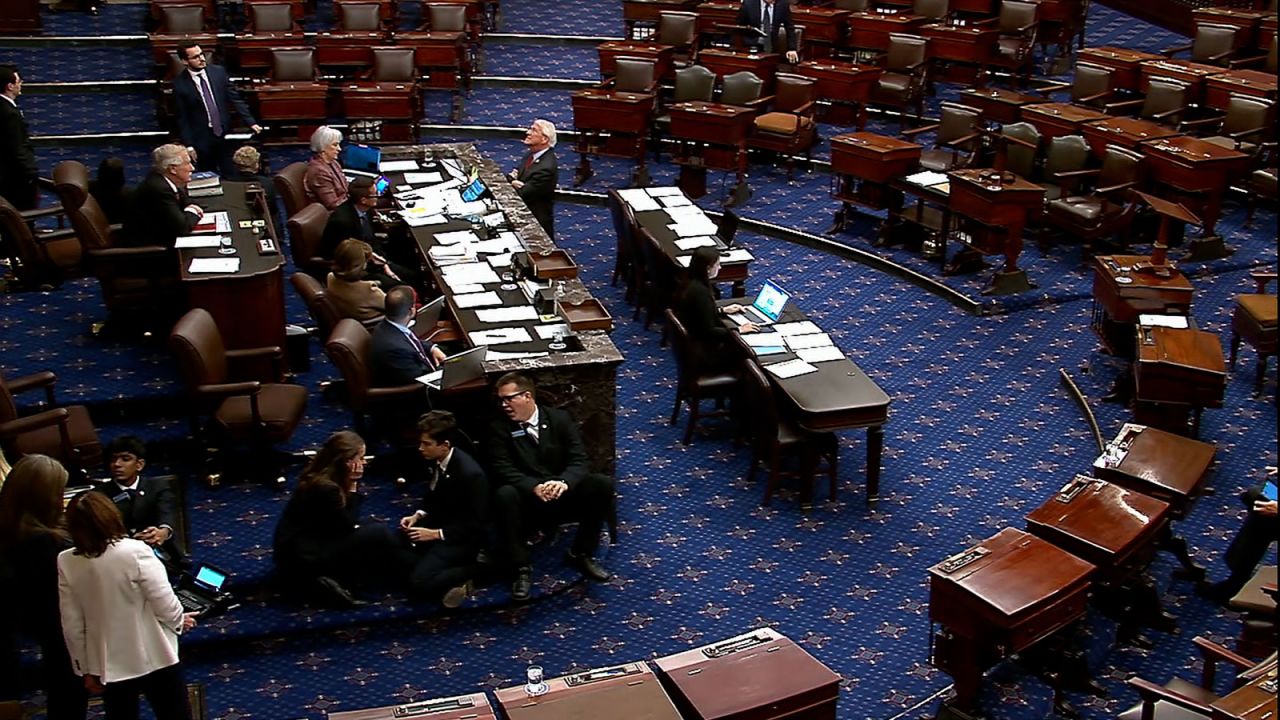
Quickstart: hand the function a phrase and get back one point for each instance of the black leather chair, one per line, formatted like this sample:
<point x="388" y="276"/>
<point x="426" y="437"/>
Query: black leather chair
<point x="693" y="382"/>
<point x="773" y="437"/>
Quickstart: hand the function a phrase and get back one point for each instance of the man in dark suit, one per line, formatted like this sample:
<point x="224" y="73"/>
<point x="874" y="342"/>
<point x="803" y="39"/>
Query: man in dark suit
<point x="540" y="466"/>
<point x="396" y="355"/>
<point x="1250" y="544"/>
<point x="203" y="97"/>
<point x="535" y="177"/>
<point x="448" y="528"/>
<point x="160" y="210"/>
<point x="767" y="16"/>
<point x="18" y="172"/>
<point x="147" y="504"/>
<point x="353" y="219"/>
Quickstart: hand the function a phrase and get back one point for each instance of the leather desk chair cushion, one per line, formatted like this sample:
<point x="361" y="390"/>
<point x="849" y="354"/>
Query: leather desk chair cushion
<point x="894" y="82"/>
<point x="297" y="65"/>
<point x="1251" y="598"/>
<point x="48" y="440"/>
<point x="709" y="384"/>
<point x="360" y="17"/>
<point x="394" y="65"/>
<point x="1087" y="209"/>
<point x="1169" y="711"/>
<point x="1261" y="309"/>
<point x="180" y="19"/>
<point x="280" y="406"/>
<point x="271" y="17"/>
<point x="780" y="123"/>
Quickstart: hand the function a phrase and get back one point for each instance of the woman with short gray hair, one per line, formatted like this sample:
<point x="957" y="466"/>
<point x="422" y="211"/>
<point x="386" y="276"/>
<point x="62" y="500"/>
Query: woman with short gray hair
<point x="324" y="182"/>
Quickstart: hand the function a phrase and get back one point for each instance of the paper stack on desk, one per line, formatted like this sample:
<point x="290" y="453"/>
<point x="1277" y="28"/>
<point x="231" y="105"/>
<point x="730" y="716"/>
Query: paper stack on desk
<point x="518" y="313"/>
<point x="639" y="200"/>
<point x="927" y="178"/>
<point x="488" y="298"/>
<point x="695" y="242"/>
<point x="213" y="222"/>
<point x="500" y="336"/>
<point x="469" y="274"/>
<point x="387" y="166"/>
<point x="197" y="241"/>
<point x="791" y="368"/>
<point x="214" y="265"/>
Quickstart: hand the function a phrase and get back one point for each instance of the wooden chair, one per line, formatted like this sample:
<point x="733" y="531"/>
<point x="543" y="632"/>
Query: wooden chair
<point x="773" y="437"/>
<point x="66" y="433"/>
<point x="694" y="383"/>
<point x="957" y="140"/>
<point x="1254" y="321"/>
<point x="1179" y="699"/>
<point x="788" y="127"/>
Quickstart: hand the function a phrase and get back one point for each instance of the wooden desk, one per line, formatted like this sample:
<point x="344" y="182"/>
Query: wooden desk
<point x="247" y="305"/>
<point x="1127" y="132"/>
<point x="1267" y="32"/>
<point x="971" y="46"/>
<point x="760" y="674"/>
<point x="1198" y="171"/>
<point x="21" y="17"/>
<point x="1165" y="466"/>
<point x="591" y="695"/>
<point x="1219" y="88"/>
<point x="441" y="54"/>
<point x="397" y="105"/>
<point x="726" y="62"/>
<point x="862" y="165"/>
<point x="462" y="707"/>
<point x="1121" y="295"/>
<point x="1110" y="526"/>
<point x="1058" y="119"/>
<point x="613" y="124"/>
<point x="1019" y="592"/>
<point x="871" y="30"/>
<point x="348" y="50"/>
<point x="1255" y="700"/>
<point x="847" y="85"/>
<point x="1126" y="63"/>
<point x="1192" y="73"/>
<point x="663" y="56"/>
<point x="647" y="12"/>
<point x="825" y="28"/>
<point x="714" y="136"/>
<point x="998" y="104"/>
<point x="252" y="52"/>
<point x="292" y="102"/>
<point x="1001" y="206"/>
<point x="715" y="14"/>
<point x="1180" y="367"/>
<point x="657" y="223"/>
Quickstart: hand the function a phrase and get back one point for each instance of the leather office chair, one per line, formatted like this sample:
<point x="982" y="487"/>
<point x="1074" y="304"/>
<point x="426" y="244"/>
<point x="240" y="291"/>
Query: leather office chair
<point x="359" y="17"/>
<point x="678" y="30"/>
<point x="633" y="75"/>
<point x="293" y="65"/>
<point x="1213" y="45"/>
<point x="742" y="89"/>
<point x="1165" y="102"/>
<point x="1254" y="321"/>
<point x="931" y="10"/>
<point x="1179" y="699"/>
<point x="902" y="83"/>
<point x="270" y="17"/>
<point x="38" y="258"/>
<point x="692" y="83"/>
<point x="1243" y="127"/>
<point x="321" y="308"/>
<point x="773" y="437"/>
<point x="289" y="187"/>
<point x="348" y="348"/>
<point x="394" y="65"/>
<point x="394" y="73"/>
<point x="453" y="18"/>
<point x="654" y="278"/>
<point x="1065" y="154"/>
<point x="306" y="230"/>
<point x="1263" y="183"/>
<point x="250" y="412"/>
<point x="727" y="226"/>
<point x="1107" y="209"/>
<point x="957" y="141"/>
<point x="296" y="10"/>
<point x="138" y="283"/>
<point x="1019" y="23"/>
<point x="1256" y="603"/>
<point x="65" y="433"/>
<point x="624" y="248"/>
<point x="694" y="382"/>
<point x="1091" y="86"/>
<point x="182" y="19"/>
<point x="1017" y="147"/>
<point x="788" y="127"/>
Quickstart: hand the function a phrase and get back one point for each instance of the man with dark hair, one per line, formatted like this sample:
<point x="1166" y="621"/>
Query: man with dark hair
<point x="353" y="219"/>
<point x="396" y="356"/>
<point x="448" y="528"/>
<point x="18" y="171"/>
<point x="771" y="18"/>
<point x="540" y="467"/>
<point x="203" y="97"/>
<point x="147" y="504"/>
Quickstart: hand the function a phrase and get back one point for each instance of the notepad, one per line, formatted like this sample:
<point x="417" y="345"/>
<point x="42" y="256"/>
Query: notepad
<point x="197" y="241"/>
<point x="507" y="314"/>
<point x="423" y="178"/>
<point x="500" y="336"/>
<point x="762" y="339"/>
<point x="480" y="299"/>
<point x="791" y="368"/>
<point x="213" y="222"/>
<point x="397" y="166"/>
<point x="214" y="265"/>
<point x="801" y="327"/>
<point x="813" y="340"/>
<point x="826" y="353"/>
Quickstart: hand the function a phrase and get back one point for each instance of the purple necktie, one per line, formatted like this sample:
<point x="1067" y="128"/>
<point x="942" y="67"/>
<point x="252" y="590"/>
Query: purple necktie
<point x="215" y="117"/>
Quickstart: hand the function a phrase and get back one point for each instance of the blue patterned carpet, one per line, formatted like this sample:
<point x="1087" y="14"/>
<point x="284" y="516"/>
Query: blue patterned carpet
<point x="980" y="434"/>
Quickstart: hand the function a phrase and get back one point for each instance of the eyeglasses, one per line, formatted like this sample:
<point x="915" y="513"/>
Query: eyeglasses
<point x="506" y="399"/>
<point x="197" y="56"/>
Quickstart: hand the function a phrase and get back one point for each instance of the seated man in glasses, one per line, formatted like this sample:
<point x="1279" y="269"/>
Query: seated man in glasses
<point x="539" y="465"/>
<point x="354" y="219"/>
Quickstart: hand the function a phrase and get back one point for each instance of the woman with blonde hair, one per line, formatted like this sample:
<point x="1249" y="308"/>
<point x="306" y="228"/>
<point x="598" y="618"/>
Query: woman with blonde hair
<point x="120" y="616"/>
<point x="353" y="295"/>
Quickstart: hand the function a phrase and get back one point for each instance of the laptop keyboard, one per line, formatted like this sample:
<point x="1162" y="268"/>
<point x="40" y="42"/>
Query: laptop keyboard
<point x="190" y="602"/>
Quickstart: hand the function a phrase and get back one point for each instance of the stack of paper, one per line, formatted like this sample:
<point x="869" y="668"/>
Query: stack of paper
<point x="638" y="199"/>
<point x="695" y="242"/>
<point x="519" y="313"/>
<point x="469" y="274"/>
<point x="790" y="368"/>
<point x="487" y="298"/>
<point x="456" y="236"/>
<point x="197" y="241"/>
<point x="387" y="166"/>
<point x="500" y="336"/>
<point x="423" y="178"/>
<point x="214" y="265"/>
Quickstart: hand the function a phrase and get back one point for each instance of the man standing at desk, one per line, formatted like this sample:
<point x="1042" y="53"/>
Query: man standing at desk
<point x="767" y="16"/>
<point x="161" y="209"/>
<point x="203" y="96"/>
<point x="18" y="171"/>
<point x="540" y="467"/>
<point x="535" y="178"/>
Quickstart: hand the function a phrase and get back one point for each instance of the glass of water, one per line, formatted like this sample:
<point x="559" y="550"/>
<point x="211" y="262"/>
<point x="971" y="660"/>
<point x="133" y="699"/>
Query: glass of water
<point x="534" y="682"/>
<point x="224" y="245"/>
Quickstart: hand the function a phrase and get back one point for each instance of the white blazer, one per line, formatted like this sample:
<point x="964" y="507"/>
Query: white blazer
<point x="120" y="617"/>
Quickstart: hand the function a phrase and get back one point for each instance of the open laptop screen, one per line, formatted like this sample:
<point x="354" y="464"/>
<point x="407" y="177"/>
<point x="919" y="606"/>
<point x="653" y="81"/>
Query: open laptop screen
<point x="364" y="158"/>
<point x="210" y="578"/>
<point x="770" y="300"/>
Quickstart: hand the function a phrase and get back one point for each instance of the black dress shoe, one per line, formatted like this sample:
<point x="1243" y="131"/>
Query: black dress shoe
<point x="333" y="592"/>
<point x="523" y="584"/>
<point x="588" y="566"/>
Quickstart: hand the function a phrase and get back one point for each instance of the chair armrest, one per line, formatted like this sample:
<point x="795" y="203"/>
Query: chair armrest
<point x="1053" y="87"/>
<point x="51" y="211"/>
<point x="912" y="132"/>
<point x="1017" y="141"/>
<point x="1170" y="52"/>
<point x="1113" y="188"/>
<point x="960" y="142"/>
<point x="225" y="390"/>
<point x="804" y="109"/>
<point x="1122" y="105"/>
<point x="128" y="252"/>
<point x="1068" y="174"/>
<point x="388" y="393"/>
<point x="1248" y="62"/>
<point x="760" y="103"/>
<point x="1212" y="653"/>
<point x="1261" y="279"/>
<point x="44" y="379"/>
<point x="28" y="423"/>
<point x="1168" y="113"/>
<point x="45" y="236"/>
<point x="274" y="351"/>
<point x="1152" y="693"/>
<point x="1095" y="96"/>
<point x="1200" y="123"/>
<point x="1245" y="133"/>
<point x="1222" y="55"/>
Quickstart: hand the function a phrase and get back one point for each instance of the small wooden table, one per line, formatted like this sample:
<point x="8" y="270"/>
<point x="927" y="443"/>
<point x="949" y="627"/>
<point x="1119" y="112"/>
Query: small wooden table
<point x="714" y="136"/>
<point x="1126" y="63"/>
<point x="1199" y="172"/>
<point x="613" y="124"/>
<point x="998" y="104"/>
<point x="1178" y="371"/>
<point x="847" y="86"/>
<point x="1057" y="119"/>
<point x="1192" y="73"/>
<point x="1249" y="83"/>
<point x="862" y="165"/>
<point x="462" y="707"/>
<point x="592" y="694"/>
<point x="999" y="204"/>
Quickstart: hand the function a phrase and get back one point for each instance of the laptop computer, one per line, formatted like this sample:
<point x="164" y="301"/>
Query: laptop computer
<point x="202" y="589"/>
<point x="457" y="369"/>
<point x="361" y="158"/>
<point x="424" y="321"/>
<point x="766" y="308"/>
<point x="473" y="190"/>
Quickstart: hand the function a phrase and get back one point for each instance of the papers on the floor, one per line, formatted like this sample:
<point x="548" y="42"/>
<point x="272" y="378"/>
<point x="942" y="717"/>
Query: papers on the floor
<point x="214" y="265"/>
<point x="469" y="274"/>
<point x="926" y="178"/>
<point x="695" y="242"/>
<point x="456" y="236"/>
<point x="197" y="241"/>
<point x="518" y="313"/>
<point x="665" y="190"/>
<point x="736" y="255"/>
<point x="790" y="368"/>
<point x="213" y="222"/>
<point x="423" y="178"/>
<point x="1170" y="321"/>
<point x="431" y="379"/>
<point x="802" y="327"/>
<point x="480" y="299"/>
<point x="801" y="342"/>
<point x="387" y="166"/>
<point x="546" y="332"/>
<point x="639" y="200"/>
<point x="499" y="355"/>
<point x="820" y="354"/>
<point x="500" y="336"/>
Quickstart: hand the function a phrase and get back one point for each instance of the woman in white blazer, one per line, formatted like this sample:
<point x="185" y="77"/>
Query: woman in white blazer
<point x="120" y="616"/>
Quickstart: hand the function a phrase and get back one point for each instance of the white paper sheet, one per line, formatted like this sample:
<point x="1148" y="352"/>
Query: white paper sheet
<point x="518" y="313"/>
<point x="927" y="178"/>
<point x="1170" y="321"/>
<point x="670" y="201"/>
<point x="500" y="336"/>
<point x="213" y="222"/>
<point x="546" y="332"/>
<point x="470" y="273"/>
<point x="505" y="244"/>
<point x="499" y="355"/>
<point x="665" y="190"/>
<point x="214" y="265"/>
<point x="762" y="339"/>
<point x="802" y="327"/>
<point x="695" y="242"/>
<point x="820" y="354"/>
<point x="457" y="236"/>
<point x="689" y="228"/>
<point x="736" y="255"/>
<point x="499" y="261"/>
<point x="480" y="299"/>
<point x="432" y="379"/>
<point x="197" y="241"/>
<point x="465" y="289"/>
<point x="791" y="368"/>
<point x="803" y="342"/>
<point x="638" y="199"/>
<point x="387" y="166"/>
<point x="423" y="178"/>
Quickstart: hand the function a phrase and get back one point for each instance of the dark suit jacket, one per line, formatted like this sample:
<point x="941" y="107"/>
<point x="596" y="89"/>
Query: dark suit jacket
<point x="192" y="119"/>
<point x="315" y="523"/>
<point x="153" y="505"/>
<point x="393" y="360"/>
<point x="539" y="191"/>
<point x="751" y="13"/>
<point x="459" y="504"/>
<point x="157" y="217"/>
<point x="18" y="170"/>
<point x="701" y="317"/>
<point x="557" y="455"/>
<point x="344" y="222"/>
